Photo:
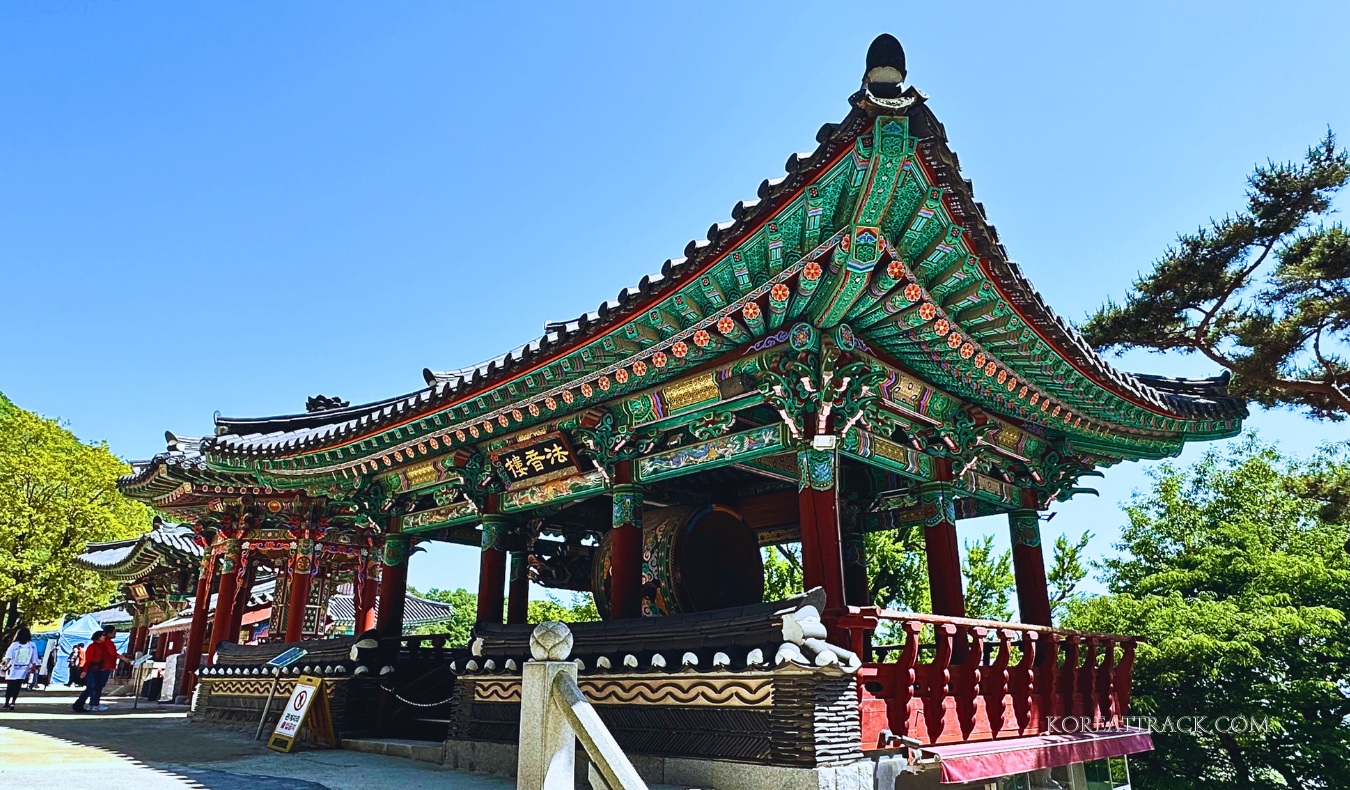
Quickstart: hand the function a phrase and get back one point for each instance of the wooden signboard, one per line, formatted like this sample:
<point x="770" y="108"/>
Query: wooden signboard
<point x="308" y="705"/>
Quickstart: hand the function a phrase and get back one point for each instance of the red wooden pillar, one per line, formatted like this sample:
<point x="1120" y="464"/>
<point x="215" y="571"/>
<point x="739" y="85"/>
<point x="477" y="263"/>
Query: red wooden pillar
<point x="492" y="564"/>
<point x="1033" y="595"/>
<point x="518" y="597"/>
<point x="297" y="588"/>
<point x="243" y="594"/>
<point x="225" y="595"/>
<point x="192" y="651"/>
<point x="365" y="593"/>
<point x="625" y="563"/>
<point x="393" y="581"/>
<point x="940" y="546"/>
<point x="822" y="546"/>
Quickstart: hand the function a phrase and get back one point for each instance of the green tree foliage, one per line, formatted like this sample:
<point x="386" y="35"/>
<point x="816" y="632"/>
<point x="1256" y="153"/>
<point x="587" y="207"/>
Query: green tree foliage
<point x="56" y="495"/>
<point x="1265" y="292"/>
<point x="465" y="611"/>
<point x="1236" y="575"/>
<point x="1067" y="570"/>
<point x="989" y="581"/>
<point x="897" y="572"/>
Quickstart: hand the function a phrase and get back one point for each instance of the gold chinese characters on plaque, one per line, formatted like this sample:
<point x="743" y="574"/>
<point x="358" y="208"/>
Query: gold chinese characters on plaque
<point x="548" y="457"/>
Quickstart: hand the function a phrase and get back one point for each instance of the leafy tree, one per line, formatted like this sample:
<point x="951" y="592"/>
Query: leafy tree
<point x="1265" y="292"/>
<point x="56" y="496"/>
<point x="782" y="571"/>
<point x="1067" y="571"/>
<point x="465" y="612"/>
<point x="989" y="581"/>
<point x="1239" y="582"/>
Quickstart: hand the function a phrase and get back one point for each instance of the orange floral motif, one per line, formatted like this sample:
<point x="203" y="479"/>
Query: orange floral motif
<point x="913" y="292"/>
<point x="966" y="350"/>
<point x="895" y="270"/>
<point x="567" y="396"/>
<point x="586" y="390"/>
<point x="811" y="271"/>
<point x="604" y="383"/>
<point x="954" y="340"/>
<point x="679" y="349"/>
<point x="459" y="434"/>
<point x="702" y="338"/>
<point x="621" y="375"/>
<point x="750" y="311"/>
<point x="550" y="403"/>
<point x="501" y="418"/>
<point x="979" y="360"/>
<point x="989" y="368"/>
<point x="725" y="325"/>
<point x="659" y="359"/>
<point x="942" y="327"/>
<point x="1002" y="376"/>
<point x="640" y="368"/>
<point x="927" y="310"/>
<point x="534" y="409"/>
<point x="779" y="293"/>
<point x="516" y="415"/>
<point x="487" y="426"/>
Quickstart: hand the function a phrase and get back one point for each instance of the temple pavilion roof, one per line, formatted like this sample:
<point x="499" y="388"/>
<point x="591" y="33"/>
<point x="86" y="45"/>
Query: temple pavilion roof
<point x="165" y="547"/>
<point x="883" y="178"/>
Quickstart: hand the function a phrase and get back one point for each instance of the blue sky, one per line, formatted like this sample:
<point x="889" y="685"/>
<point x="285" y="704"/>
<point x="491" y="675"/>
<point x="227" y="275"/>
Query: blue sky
<point x="234" y="206"/>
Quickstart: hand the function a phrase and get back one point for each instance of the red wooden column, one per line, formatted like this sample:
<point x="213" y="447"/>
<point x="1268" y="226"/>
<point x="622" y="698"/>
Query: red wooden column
<point x="393" y="580"/>
<point x="366" y="589"/>
<point x="822" y="546"/>
<point x="940" y="547"/>
<point x="297" y="588"/>
<point x="492" y="563"/>
<point x="201" y="607"/>
<point x="518" y="594"/>
<point x="225" y="595"/>
<point x="625" y="562"/>
<point x="1033" y="594"/>
<point x="246" y="573"/>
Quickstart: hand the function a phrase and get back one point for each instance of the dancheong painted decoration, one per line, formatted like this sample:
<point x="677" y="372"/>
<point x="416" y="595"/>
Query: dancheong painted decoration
<point x="852" y="351"/>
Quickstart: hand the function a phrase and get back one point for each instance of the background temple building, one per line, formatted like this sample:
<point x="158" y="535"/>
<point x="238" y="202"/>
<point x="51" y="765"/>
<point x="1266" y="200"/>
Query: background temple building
<point x="852" y="351"/>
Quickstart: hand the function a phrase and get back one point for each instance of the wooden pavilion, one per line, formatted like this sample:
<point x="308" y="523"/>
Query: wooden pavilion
<point x="852" y="351"/>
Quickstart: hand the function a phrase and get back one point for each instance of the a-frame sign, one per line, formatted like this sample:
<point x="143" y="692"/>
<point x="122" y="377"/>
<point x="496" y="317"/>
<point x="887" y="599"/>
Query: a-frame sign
<point x="308" y="705"/>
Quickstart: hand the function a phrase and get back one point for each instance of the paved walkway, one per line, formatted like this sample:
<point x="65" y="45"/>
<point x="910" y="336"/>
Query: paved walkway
<point x="45" y="744"/>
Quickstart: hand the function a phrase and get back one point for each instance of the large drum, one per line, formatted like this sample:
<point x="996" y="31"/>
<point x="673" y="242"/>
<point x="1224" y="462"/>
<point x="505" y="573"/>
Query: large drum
<point x="694" y="559"/>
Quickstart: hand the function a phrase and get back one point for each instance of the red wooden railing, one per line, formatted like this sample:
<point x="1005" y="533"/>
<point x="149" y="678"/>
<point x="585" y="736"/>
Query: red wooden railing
<point x="980" y="680"/>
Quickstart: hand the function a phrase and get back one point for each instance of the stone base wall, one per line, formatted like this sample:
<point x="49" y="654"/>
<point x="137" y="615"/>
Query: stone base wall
<point x="803" y="719"/>
<point x="240" y="700"/>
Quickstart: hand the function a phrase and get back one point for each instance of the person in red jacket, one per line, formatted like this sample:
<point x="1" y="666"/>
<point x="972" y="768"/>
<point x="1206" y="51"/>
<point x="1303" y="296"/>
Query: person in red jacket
<point x="100" y="659"/>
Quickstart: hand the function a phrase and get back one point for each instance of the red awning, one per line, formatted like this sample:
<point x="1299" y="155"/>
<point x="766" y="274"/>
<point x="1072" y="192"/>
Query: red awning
<point x="256" y="616"/>
<point x="979" y="762"/>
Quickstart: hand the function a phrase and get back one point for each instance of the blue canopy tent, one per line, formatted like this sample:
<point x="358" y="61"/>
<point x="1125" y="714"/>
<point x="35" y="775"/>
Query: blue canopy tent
<point x="79" y="632"/>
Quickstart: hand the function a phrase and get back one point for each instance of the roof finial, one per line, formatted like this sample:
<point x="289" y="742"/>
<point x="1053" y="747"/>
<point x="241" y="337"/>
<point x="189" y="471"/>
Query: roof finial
<point x="885" y="75"/>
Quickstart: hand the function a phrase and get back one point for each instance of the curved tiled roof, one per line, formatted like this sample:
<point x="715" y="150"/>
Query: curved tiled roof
<point x="291" y="435"/>
<point x="167" y="545"/>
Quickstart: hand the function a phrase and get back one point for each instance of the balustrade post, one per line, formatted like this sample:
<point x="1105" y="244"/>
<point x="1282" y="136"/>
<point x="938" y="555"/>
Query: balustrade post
<point x="1068" y="675"/>
<point x="1106" y="675"/>
<point x="1086" y="676"/>
<point x="1124" y="677"/>
<point x="1046" y="679"/>
<point x="547" y="755"/>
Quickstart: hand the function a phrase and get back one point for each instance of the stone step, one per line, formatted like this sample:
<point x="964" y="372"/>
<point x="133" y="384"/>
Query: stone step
<point x="422" y="751"/>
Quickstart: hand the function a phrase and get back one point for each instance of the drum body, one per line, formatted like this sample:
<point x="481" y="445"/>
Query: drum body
<point x="694" y="559"/>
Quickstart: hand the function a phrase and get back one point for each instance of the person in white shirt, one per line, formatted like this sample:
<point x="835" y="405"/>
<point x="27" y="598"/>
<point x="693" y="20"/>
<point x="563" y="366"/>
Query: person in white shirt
<point x="20" y="659"/>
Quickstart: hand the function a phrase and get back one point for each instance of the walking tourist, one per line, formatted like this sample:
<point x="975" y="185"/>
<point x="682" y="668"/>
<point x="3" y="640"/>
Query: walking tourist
<point x="20" y="659"/>
<point x="100" y="659"/>
<point x="75" y="663"/>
